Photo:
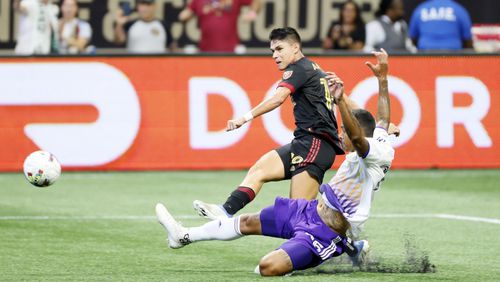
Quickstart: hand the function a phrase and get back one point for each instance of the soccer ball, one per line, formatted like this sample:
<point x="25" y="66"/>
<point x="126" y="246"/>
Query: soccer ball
<point x="41" y="168"/>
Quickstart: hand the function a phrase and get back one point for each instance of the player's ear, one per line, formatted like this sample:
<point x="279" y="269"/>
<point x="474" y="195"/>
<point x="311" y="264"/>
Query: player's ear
<point x="296" y="47"/>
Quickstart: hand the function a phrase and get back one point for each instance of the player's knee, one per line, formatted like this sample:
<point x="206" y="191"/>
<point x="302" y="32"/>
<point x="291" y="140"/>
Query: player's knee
<point x="269" y="267"/>
<point x="245" y="222"/>
<point x="250" y="224"/>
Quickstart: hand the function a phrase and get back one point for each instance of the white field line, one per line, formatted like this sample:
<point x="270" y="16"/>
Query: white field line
<point x="139" y="217"/>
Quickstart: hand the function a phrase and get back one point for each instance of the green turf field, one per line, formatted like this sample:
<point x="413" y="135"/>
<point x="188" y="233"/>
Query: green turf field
<point x="100" y="226"/>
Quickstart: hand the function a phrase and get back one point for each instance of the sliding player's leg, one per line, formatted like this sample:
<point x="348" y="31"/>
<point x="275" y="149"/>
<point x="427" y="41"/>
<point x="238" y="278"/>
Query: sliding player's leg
<point x="222" y="229"/>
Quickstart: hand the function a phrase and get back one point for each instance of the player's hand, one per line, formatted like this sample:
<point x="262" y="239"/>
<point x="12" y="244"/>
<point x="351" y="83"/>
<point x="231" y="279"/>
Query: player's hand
<point x="381" y="69"/>
<point x="336" y="86"/>
<point x="393" y="129"/>
<point x="233" y="124"/>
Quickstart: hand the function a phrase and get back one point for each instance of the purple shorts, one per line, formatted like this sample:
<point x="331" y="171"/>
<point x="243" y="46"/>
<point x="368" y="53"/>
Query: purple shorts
<point x="311" y="241"/>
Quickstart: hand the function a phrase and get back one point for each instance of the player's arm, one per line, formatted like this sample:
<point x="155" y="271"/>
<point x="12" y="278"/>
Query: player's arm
<point x="265" y="106"/>
<point x="380" y="71"/>
<point x="351" y="124"/>
<point x="330" y="78"/>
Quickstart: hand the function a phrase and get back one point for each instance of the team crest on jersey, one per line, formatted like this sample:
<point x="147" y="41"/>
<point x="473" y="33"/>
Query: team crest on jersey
<point x="287" y="75"/>
<point x="296" y="159"/>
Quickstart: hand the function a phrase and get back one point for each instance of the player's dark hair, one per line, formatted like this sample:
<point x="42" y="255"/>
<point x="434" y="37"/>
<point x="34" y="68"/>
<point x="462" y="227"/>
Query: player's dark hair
<point x="366" y="120"/>
<point x="383" y="7"/>
<point x="285" y="33"/>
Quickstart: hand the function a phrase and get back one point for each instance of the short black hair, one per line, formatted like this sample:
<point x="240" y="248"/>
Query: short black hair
<point x="383" y="7"/>
<point x="366" y="120"/>
<point x="285" y="33"/>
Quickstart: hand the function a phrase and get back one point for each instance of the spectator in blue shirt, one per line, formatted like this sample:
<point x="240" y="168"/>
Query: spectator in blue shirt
<point x="441" y="25"/>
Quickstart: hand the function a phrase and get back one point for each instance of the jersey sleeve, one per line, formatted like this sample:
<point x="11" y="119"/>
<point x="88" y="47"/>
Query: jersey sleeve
<point x="293" y="78"/>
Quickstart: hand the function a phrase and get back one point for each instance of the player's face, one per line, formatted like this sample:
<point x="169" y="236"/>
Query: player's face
<point x="284" y="52"/>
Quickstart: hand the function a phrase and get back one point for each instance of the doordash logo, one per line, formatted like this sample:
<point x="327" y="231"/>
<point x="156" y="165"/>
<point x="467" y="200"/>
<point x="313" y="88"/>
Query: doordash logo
<point x="96" y="85"/>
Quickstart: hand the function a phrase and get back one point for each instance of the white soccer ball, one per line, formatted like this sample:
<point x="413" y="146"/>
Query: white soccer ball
<point x="41" y="168"/>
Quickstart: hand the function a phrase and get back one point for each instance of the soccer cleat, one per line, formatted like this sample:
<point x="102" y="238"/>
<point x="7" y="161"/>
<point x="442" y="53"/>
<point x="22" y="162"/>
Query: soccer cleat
<point x="178" y="236"/>
<point x="210" y="211"/>
<point x="362" y="248"/>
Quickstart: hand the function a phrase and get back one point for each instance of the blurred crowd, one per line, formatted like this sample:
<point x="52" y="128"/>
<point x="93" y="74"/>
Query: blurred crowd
<point x="47" y="28"/>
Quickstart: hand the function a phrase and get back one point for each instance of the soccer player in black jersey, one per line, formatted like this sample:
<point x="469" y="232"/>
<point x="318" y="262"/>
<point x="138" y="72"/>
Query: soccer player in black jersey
<point x="315" y="143"/>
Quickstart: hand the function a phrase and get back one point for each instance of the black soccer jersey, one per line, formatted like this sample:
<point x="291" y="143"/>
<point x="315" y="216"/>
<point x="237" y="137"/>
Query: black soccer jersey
<point x="312" y="102"/>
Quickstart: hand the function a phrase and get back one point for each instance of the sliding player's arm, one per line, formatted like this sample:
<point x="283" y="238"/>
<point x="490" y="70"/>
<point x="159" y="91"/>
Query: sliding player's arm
<point x="380" y="71"/>
<point x="265" y="106"/>
<point x="351" y="124"/>
<point x="329" y="77"/>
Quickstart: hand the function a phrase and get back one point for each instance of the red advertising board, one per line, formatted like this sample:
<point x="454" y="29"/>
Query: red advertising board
<point x="140" y="113"/>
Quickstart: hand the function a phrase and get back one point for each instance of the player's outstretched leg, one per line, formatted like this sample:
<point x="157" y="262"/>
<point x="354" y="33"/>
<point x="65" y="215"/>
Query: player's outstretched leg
<point x="268" y="168"/>
<point x="177" y="234"/>
<point x="222" y="229"/>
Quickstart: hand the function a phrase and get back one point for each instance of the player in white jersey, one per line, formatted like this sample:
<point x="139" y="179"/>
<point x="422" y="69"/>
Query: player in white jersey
<point x="370" y="156"/>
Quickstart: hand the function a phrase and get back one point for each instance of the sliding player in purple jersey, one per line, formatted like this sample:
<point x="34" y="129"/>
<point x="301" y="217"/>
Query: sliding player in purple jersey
<point x="314" y="231"/>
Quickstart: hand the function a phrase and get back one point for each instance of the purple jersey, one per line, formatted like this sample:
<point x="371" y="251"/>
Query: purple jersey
<point x="311" y="240"/>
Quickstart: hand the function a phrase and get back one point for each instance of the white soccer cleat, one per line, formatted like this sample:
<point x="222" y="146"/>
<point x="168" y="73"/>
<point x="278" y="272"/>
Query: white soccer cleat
<point x="210" y="211"/>
<point x="178" y="236"/>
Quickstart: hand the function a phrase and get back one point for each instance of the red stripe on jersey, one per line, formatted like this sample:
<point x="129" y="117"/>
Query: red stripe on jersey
<point x="287" y="85"/>
<point x="316" y="151"/>
<point x="313" y="152"/>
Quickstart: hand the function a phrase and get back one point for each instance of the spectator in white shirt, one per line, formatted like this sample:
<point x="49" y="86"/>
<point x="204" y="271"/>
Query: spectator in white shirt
<point x="74" y="33"/>
<point x="37" y="27"/>
<point x="388" y="31"/>
<point x="144" y="35"/>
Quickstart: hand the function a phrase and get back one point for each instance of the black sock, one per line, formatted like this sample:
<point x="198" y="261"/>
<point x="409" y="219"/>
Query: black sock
<point x="238" y="199"/>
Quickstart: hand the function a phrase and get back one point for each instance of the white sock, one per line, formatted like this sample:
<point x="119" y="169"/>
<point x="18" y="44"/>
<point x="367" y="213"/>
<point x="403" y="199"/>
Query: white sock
<point x="223" y="229"/>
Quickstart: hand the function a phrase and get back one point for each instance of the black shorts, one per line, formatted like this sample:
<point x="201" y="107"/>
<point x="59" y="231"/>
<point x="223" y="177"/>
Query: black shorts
<point x="307" y="153"/>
